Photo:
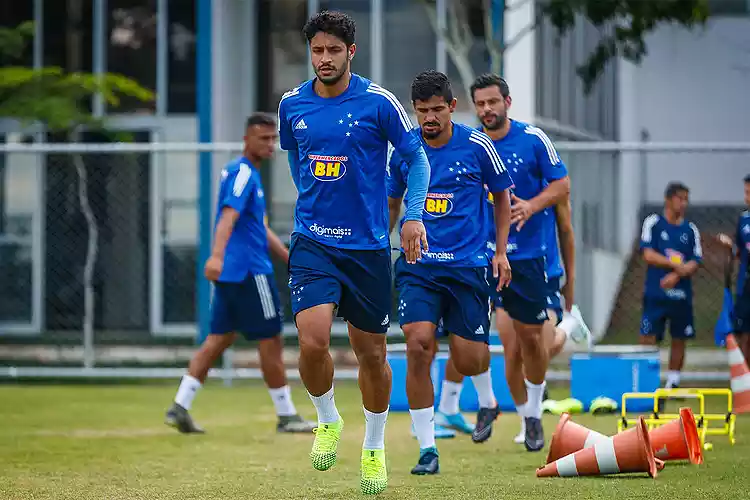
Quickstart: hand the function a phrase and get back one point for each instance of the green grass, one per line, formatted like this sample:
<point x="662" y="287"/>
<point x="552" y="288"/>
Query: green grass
<point x="96" y="441"/>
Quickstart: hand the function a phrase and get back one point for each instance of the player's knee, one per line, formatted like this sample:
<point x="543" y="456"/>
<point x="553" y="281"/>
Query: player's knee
<point x="372" y="357"/>
<point x="471" y="362"/>
<point x="529" y="334"/>
<point x="313" y="346"/>
<point x="419" y="353"/>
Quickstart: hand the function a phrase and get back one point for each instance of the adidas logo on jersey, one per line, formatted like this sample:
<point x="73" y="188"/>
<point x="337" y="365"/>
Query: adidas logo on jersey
<point x="301" y="125"/>
<point x="479" y="331"/>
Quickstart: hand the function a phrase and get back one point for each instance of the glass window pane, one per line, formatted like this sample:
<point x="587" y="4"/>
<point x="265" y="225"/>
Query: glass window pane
<point x="13" y="13"/>
<point x="181" y="86"/>
<point x="68" y="34"/>
<point x="19" y="178"/>
<point x="131" y="47"/>
<point x="360" y="11"/>
<point x="282" y="50"/>
<point x="401" y="66"/>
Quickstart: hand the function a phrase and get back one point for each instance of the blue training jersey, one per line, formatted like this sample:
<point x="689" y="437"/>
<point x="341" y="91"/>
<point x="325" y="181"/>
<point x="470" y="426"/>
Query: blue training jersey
<point x="742" y="240"/>
<point x="455" y="209"/>
<point x="247" y="249"/>
<point x="680" y="243"/>
<point x="533" y="163"/>
<point x="342" y="148"/>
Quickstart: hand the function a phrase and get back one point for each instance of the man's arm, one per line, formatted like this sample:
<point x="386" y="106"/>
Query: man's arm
<point x="276" y="246"/>
<point x="650" y="255"/>
<point x="563" y="219"/>
<point x="556" y="193"/>
<point x="502" y="220"/>
<point x="394" y="211"/>
<point x="224" y="228"/>
<point x="654" y="258"/>
<point x="689" y="268"/>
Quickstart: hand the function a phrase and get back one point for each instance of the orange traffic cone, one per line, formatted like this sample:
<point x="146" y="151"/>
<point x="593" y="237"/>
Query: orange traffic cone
<point x="624" y="452"/>
<point x="740" y="377"/>
<point x="570" y="437"/>
<point x="678" y="440"/>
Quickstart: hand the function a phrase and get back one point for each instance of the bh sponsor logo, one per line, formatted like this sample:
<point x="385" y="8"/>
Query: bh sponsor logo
<point x="328" y="168"/>
<point x="330" y="232"/>
<point x="438" y="204"/>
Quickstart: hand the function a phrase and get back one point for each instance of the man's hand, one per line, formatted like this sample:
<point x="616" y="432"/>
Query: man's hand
<point x="670" y="281"/>
<point x="725" y="240"/>
<point x="414" y="240"/>
<point x="520" y="211"/>
<point x="213" y="268"/>
<point x="501" y="270"/>
<point x="567" y="292"/>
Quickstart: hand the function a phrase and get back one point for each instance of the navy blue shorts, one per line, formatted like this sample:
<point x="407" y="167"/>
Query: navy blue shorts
<point x="457" y="295"/>
<point x="525" y="300"/>
<point x="679" y="313"/>
<point x="741" y="314"/>
<point x="359" y="282"/>
<point x="554" y="299"/>
<point x="251" y="308"/>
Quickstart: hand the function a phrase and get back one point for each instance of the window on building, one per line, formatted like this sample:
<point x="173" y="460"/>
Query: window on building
<point x="409" y="46"/>
<point x="131" y="47"/>
<point x="13" y="13"/>
<point x="360" y="12"/>
<point x="68" y="34"/>
<point x="181" y="74"/>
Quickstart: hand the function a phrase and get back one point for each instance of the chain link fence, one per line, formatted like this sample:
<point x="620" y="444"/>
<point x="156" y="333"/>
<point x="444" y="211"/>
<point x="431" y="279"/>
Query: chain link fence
<point x="99" y="243"/>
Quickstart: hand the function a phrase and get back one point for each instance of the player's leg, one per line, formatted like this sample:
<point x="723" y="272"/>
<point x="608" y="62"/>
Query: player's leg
<point x="681" y="329"/>
<point x="365" y="305"/>
<point x="314" y="292"/>
<point x="514" y="375"/>
<point x="741" y="324"/>
<point x="223" y="325"/>
<point x="449" y="415"/>
<point x="653" y="321"/>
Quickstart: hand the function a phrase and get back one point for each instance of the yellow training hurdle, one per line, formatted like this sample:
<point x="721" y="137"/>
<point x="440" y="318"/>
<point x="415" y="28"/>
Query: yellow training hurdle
<point x="702" y="419"/>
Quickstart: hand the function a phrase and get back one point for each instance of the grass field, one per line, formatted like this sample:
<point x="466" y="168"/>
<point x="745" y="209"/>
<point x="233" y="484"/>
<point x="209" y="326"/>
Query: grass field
<point x="109" y="442"/>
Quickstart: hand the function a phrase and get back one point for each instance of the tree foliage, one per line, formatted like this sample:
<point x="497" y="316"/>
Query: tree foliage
<point x="53" y="96"/>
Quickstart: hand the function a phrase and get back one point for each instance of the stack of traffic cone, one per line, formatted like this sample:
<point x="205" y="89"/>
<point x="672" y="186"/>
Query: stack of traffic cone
<point x="740" y="377"/>
<point x="570" y="437"/>
<point x="629" y="451"/>
<point x="678" y="440"/>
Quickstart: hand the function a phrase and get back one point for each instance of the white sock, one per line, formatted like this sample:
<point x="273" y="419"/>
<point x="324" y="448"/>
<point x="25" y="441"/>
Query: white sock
<point x="568" y="324"/>
<point x="326" y="407"/>
<point x="523" y="410"/>
<point x="282" y="400"/>
<point x="424" y="426"/>
<point x="449" y="396"/>
<point x="374" y="430"/>
<point x="483" y="385"/>
<point x="673" y="379"/>
<point x="186" y="393"/>
<point x="534" y="401"/>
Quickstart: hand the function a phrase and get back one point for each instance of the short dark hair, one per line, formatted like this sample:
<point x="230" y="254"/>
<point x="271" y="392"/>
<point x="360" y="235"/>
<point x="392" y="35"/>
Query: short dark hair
<point x="675" y="187"/>
<point x="335" y="23"/>
<point x="429" y="84"/>
<point x="260" y="118"/>
<point x="747" y="179"/>
<point x="489" y="80"/>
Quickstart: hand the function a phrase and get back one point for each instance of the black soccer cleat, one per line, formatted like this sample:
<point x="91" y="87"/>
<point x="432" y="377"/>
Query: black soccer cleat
<point x="179" y="418"/>
<point x="295" y="424"/>
<point x="534" y="440"/>
<point x="483" y="428"/>
<point x="428" y="463"/>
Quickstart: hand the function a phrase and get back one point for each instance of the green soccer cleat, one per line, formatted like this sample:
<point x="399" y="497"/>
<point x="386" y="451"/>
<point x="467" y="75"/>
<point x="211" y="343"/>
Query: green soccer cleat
<point x="374" y="477"/>
<point x="327" y="436"/>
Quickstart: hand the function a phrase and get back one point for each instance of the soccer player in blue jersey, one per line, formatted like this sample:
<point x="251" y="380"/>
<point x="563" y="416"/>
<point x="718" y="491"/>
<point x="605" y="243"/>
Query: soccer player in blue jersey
<point x="450" y="282"/>
<point x="671" y="247"/>
<point x="540" y="182"/>
<point x="245" y="297"/>
<point x="741" y="248"/>
<point x="336" y="129"/>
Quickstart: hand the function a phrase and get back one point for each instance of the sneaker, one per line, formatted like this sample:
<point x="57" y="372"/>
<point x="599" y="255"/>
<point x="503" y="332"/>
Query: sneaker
<point x="483" y="429"/>
<point x="295" y="424"/>
<point x="456" y="422"/>
<point x="428" y="462"/>
<point x="327" y="436"/>
<point x="179" y="418"/>
<point x="582" y="333"/>
<point x="374" y="474"/>
<point x="534" y="439"/>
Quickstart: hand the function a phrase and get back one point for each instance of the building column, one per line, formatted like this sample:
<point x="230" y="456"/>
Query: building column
<point x="520" y="61"/>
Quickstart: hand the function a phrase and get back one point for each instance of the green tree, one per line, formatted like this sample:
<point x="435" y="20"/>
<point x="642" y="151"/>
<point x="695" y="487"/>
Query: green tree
<point x="56" y="98"/>
<point x="625" y="23"/>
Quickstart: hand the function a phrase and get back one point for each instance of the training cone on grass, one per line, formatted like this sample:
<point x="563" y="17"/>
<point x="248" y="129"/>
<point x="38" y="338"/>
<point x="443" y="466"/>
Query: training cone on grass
<point x="570" y="437"/>
<point x="626" y="452"/>
<point x="740" y="377"/>
<point x="678" y="440"/>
